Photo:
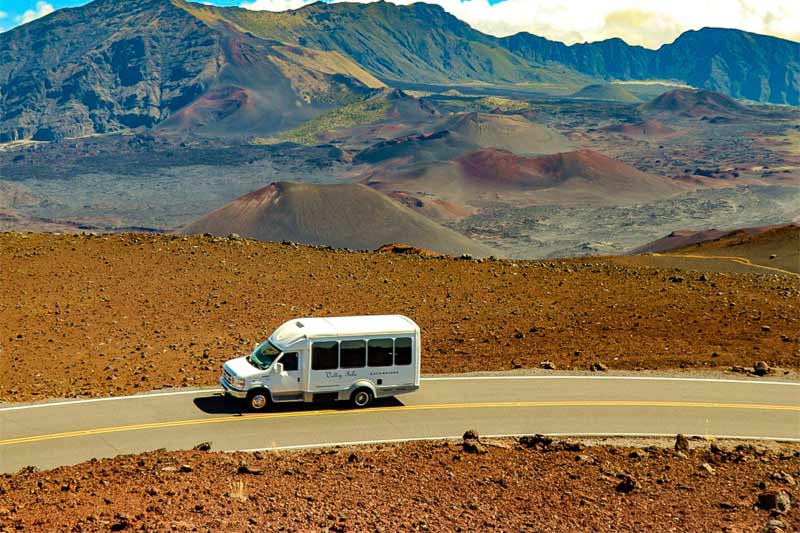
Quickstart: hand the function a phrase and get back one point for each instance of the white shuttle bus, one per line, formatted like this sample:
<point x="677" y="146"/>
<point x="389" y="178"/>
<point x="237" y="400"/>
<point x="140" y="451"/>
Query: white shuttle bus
<point x="357" y="358"/>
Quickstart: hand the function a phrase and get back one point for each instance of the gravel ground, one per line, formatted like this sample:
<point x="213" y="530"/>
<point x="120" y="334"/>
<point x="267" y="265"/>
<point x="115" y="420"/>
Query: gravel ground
<point x="118" y="314"/>
<point x="504" y="485"/>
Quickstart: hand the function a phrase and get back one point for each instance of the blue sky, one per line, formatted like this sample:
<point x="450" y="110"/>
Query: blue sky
<point x="649" y="23"/>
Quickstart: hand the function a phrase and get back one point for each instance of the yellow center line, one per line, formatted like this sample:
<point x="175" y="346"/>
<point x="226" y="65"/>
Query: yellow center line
<point x="403" y="408"/>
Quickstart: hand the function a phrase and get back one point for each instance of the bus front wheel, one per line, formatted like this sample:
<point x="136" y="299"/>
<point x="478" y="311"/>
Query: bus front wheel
<point x="257" y="400"/>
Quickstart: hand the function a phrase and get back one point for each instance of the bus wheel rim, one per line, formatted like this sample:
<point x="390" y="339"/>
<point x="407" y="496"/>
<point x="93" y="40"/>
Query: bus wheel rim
<point x="259" y="401"/>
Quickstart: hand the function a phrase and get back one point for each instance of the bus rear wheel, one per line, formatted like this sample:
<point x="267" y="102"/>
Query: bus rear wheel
<point x="257" y="400"/>
<point x="361" y="398"/>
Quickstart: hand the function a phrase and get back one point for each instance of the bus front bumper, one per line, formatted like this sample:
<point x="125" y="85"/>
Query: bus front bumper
<point x="230" y="391"/>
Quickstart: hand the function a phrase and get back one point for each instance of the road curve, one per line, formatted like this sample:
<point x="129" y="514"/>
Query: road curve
<point x="61" y="433"/>
<point x="736" y="259"/>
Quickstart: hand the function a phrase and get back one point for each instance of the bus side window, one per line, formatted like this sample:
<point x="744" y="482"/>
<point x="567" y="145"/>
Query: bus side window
<point x="379" y="352"/>
<point x="289" y="361"/>
<point x="353" y="354"/>
<point x="402" y="351"/>
<point x="325" y="355"/>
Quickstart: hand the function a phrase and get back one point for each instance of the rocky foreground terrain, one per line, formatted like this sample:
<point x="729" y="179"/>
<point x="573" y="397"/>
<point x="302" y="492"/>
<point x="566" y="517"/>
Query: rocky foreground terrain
<point x="530" y="484"/>
<point x="114" y="314"/>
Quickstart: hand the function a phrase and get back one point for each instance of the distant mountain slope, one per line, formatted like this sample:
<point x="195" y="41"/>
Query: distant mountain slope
<point x="113" y="65"/>
<point x="420" y="42"/>
<point x="342" y="215"/>
<point x="735" y="62"/>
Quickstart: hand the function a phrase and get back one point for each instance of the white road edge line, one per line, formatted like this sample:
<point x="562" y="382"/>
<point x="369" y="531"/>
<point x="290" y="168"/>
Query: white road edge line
<point x="148" y="395"/>
<point x="142" y="396"/>
<point x="628" y="378"/>
<point x="502" y="436"/>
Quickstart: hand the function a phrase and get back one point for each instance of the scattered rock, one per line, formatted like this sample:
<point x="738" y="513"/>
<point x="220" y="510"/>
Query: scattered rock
<point x="783" y="477"/>
<point x="627" y="484"/>
<point x="766" y="329"/>
<point x="774" y="524"/>
<point x="244" y="468"/>
<point x="185" y="468"/>
<point x="676" y="279"/>
<point x="547" y="365"/>
<point x="203" y="446"/>
<point x="708" y="468"/>
<point x="471" y="434"/>
<point x="235" y="237"/>
<point x="535" y="441"/>
<point x="773" y="256"/>
<point x="681" y="443"/>
<point x="598" y="367"/>
<point x="705" y="277"/>
<point x="472" y="442"/>
<point x="775" y="500"/>
<point x="121" y="522"/>
<point x="761" y="368"/>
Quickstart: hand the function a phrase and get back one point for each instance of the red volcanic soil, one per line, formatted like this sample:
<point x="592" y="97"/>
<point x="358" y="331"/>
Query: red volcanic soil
<point x="216" y="104"/>
<point x="117" y="314"/>
<point x="695" y="103"/>
<point x="651" y="128"/>
<point x="526" y="484"/>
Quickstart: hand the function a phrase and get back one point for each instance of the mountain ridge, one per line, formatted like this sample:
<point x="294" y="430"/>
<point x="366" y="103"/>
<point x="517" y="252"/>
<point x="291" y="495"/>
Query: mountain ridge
<point x="109" y="66"/>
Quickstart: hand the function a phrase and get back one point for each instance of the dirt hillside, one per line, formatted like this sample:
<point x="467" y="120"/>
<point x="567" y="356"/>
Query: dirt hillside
<point x="113" y="314"/>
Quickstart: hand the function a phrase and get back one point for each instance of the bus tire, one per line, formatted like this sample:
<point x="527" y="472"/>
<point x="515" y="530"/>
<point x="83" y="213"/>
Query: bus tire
<point x="361" y="398"/>
<point x="257" y="400"/>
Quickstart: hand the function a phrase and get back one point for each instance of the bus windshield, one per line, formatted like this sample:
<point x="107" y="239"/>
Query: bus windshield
<point x="264" y="355"/>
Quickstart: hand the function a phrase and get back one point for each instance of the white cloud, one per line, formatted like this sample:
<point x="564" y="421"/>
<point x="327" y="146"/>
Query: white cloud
<point x="646" y="22"/>
<point x="41" y="9"/>
<point x="3" y="14"/>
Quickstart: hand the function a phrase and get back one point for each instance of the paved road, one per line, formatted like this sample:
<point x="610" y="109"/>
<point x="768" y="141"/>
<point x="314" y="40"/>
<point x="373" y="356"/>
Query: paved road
<point x="48" y="435"/>
<point x="735" y="259"/>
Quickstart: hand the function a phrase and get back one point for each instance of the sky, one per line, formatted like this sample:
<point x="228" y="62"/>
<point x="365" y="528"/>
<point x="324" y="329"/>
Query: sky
<point x="649" y="23"/>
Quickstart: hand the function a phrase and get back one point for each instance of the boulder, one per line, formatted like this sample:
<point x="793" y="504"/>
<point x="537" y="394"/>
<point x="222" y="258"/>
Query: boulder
<point x="203" y="446"/>
<point x="761" y="368"/>
<point x="681" y="443"/>
<point x="775" y="501"/>
<point x="244" y="468"/>
<point x="547" y="365"/>
<point x="472" y="443"/>
<point x="627" y="484"/>
<point x="536" y="441"/>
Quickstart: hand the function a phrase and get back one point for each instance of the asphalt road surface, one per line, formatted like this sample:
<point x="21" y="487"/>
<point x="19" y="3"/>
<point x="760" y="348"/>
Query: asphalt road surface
<point x="61" y="433"/>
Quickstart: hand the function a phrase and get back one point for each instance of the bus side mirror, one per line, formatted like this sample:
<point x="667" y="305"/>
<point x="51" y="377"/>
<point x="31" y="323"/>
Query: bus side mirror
<point x="278" y="368"/>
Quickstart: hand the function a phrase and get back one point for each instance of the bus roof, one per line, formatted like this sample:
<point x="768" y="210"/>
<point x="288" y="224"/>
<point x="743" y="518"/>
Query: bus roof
<point x="299" y="328"/>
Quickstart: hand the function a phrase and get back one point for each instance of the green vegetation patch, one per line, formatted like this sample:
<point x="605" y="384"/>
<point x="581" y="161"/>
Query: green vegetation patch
<point x="350" y="115"/>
